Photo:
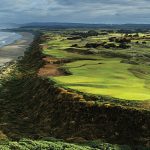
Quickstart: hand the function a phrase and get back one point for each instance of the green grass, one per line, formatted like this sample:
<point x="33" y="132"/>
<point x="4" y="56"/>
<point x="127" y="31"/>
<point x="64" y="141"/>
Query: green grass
<point x="53" y="144"/>
<point x="56" y="48"/>
<point x="101" y="76"/>
<point x="105" y="77"/>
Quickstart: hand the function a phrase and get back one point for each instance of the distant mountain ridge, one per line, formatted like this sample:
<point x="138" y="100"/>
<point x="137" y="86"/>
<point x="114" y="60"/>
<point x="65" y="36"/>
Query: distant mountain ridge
<point x="84" y="25"/>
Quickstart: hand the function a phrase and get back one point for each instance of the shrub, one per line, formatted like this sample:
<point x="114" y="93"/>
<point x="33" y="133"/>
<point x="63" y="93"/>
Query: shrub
<point x="92" y="33"/>
<point x="110" y="45"/>
<point x="86" y="34"/>
<point x="74" y="45"/>
<point x="92" y="45"/>
<point x="123" y="40"/>
<point x="112" y="39"/>
<point x="143" y="42"/>
<point x="137" y="42"/>
<point x="124" y="46"/>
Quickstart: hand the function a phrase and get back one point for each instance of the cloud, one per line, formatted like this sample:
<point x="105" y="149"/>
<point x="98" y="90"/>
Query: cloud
<point x="97" y="11"/>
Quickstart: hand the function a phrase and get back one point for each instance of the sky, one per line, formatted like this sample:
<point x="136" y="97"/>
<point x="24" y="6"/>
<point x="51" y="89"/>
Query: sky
<point x="77" y="11"/>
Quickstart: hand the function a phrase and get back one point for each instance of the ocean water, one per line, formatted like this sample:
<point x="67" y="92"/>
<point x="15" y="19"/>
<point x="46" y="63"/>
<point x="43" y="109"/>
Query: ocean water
<point x="8" y="38"/>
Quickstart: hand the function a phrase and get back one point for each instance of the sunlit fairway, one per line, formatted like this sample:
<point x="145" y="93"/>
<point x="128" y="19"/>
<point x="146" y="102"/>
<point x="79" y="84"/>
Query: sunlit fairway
<point x="106" y="77"/>
<point x="95" y="74"/>
<point x="56" y="48"/>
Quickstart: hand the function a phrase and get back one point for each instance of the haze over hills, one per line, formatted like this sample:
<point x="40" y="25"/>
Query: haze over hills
<point x="84" y="25"/>
<point x="8" y="25"/>
<point x="75" y="25"/>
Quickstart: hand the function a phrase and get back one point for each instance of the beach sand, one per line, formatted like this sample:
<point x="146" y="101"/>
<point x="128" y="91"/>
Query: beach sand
<point x="16" y="49"/>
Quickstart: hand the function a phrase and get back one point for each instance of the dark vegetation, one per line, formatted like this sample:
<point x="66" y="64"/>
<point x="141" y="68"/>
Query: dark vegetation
<point x="123" y="43"/>
<point x="120" y="40"/>
<point x="85" y="34"/>
<point x="108" y="45"/>
<point x="56" y="144"/>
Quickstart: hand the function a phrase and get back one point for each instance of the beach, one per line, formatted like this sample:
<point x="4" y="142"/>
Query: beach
<point x="14" y="50"/>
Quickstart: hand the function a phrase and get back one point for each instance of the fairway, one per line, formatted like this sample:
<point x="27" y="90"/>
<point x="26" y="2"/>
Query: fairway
<point x="93" y="73"/>
<point x="106" y="77"/>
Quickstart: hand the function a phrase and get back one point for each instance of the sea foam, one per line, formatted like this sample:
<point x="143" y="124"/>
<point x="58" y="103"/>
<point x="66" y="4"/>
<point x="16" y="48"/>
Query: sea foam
<point x="8" y="38"/>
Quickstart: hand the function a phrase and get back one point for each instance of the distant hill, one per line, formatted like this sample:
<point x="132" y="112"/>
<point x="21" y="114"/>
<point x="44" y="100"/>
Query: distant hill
<point x="84" y="25"/>
<point x="8" y="25"/>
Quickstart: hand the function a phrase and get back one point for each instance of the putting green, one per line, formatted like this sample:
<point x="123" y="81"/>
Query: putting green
<point x="105" y="77"/>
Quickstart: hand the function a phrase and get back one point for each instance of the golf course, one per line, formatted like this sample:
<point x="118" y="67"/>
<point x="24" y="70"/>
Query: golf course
<point x="87" y="88"/>
<point x="121" y="75"/>
<point x="75" y="75"/>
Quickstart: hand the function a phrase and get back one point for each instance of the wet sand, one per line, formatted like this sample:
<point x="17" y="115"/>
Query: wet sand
<point x="16" y="49"/>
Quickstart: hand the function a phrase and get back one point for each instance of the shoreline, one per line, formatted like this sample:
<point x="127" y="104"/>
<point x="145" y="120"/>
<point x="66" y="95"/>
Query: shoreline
<point x="9" y="40"/>
<point x="16" y="49"/>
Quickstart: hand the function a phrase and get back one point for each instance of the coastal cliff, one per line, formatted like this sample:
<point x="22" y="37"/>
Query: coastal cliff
<point x="33" y="106"/>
